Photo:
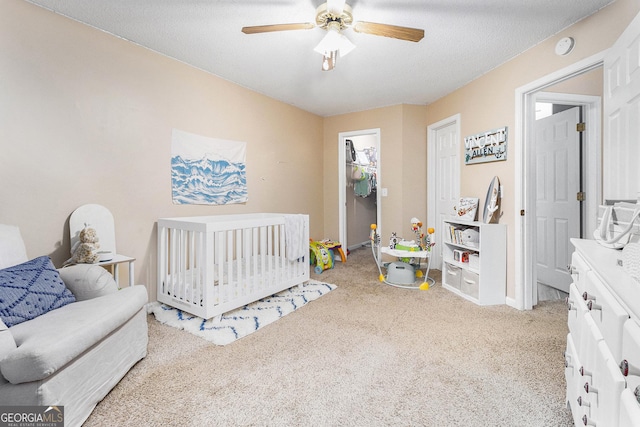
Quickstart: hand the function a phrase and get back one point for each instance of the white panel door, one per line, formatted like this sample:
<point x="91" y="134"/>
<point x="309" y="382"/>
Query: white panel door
<point x="621" y="146"/>
<point x="557" y="148"/>
<point x="447" y="181"/>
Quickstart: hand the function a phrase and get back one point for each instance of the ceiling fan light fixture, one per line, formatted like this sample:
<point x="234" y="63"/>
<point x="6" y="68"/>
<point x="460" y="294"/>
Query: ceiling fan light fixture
<point x="329" y="61"/>
<point x="334" y="41"/>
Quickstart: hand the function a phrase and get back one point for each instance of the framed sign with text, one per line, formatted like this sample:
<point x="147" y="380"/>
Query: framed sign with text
<point x="490" y="146"/>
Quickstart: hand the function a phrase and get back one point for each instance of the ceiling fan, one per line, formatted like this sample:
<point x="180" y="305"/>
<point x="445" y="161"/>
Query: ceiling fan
<point x="335" y="16"/>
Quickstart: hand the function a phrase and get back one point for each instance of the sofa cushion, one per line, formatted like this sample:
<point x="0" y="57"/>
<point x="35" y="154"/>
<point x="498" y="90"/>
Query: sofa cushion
<point x="7" y="343"/>
<point x="87" y="281"/>
<point x="12" y="250"/>
<point x="31" y="289"/>
<point x="47" y="343"/>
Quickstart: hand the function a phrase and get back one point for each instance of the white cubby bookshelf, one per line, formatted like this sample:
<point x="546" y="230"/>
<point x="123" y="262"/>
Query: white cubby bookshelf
<point x="482" y="280"/>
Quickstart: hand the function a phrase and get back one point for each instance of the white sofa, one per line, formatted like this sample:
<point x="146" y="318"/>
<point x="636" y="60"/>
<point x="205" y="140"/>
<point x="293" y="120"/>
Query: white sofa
<point x="71" y="356"/>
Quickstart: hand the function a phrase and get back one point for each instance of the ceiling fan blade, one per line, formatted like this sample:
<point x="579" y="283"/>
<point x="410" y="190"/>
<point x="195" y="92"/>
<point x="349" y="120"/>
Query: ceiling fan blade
<point x="385" y="30"/>
<point x="277" y="27"/>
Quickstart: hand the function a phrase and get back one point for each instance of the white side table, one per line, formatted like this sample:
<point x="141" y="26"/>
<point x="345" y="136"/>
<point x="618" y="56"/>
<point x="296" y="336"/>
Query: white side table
<point x="113" y="264"/>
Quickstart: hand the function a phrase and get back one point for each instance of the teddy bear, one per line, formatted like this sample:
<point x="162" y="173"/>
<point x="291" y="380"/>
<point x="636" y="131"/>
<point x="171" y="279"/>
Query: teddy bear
<point x="85" y="251"/>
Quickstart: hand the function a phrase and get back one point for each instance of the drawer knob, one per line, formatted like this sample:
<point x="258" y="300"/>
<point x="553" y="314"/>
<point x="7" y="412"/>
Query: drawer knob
<point x="567" y="360"/>
<point x="583" y="402"/>
<point x="584" y="372"/>
<point x="590" y="389"/>
<point x="587" y="297"/>
<point x="628" y="369"/>
<point x="587" y="421"/>
<point x="593" y="306"/>
<point x="637" y="393"/>
<point x="570" y="305"/>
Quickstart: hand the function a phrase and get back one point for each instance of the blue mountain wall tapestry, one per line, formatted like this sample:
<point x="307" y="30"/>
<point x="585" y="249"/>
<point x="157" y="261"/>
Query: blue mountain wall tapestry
<point x="207" y="171"/>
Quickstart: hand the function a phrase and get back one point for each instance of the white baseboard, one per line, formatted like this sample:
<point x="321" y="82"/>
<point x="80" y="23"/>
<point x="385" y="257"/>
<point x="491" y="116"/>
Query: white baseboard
<point x="359" y="245"/>
<point x="511" y="302"/>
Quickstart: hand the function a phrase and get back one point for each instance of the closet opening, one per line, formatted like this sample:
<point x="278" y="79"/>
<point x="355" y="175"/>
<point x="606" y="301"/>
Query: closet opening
<point x="359" y="180"/>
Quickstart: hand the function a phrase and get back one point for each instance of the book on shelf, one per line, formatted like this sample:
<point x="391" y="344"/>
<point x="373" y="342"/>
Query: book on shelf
<point x="467" y="236"/>
<point x="455" y="234"/>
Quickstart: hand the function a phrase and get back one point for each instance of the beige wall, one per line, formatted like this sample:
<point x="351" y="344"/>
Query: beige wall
<point x="489" y="102"/>
<point x="86" y="117"/>
<point x="403" y="172"/>
<point x="589" y="83"/>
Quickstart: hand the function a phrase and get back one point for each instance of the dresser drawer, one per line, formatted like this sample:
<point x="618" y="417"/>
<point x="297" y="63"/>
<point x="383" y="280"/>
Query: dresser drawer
<point x="607" y="313"/>
<point x="576" y="308"/>
<point x="630" y="360"/>
<point x="574" y="380"/>
<point x="579" y="269"/>
<point x="587" y="350"/>
<point x="605" y="388"/>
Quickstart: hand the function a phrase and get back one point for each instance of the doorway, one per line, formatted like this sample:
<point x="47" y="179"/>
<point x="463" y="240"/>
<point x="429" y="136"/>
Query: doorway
<point x="359" y="179"/>
<point x="443" y="180"/>
<point x="526" y="198"/>
<point x="558" y="177"/>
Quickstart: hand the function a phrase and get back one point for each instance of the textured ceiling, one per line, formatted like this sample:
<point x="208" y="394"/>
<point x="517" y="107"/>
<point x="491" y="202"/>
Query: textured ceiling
<point x="463" y="40"/>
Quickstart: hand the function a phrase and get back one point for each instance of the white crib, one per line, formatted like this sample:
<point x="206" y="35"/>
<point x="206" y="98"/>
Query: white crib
<point x="209" y="265"/>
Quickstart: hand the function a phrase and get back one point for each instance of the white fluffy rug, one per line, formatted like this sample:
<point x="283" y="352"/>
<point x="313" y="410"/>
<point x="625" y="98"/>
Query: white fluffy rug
<point x="242" y="321"/>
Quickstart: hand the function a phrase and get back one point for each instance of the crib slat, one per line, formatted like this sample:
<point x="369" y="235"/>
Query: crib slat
<point x="282" y="256"/>
<point x="162" y="259"/>
<point x="274" y="258"/>
<point x="193" y="272"/>
<point x="246" y="259"/>
<point x="269" y="270"/>
<point x="221" y="266"/>
<point x="230" y="275"/>
<point x="238" y="284"/>
<point x="263" y="257"/>
<point x="181" y="261"/>
<point x="198" y="251"/>
<point x="173" y="252"/>
<point x="209" y="290"/>
<point x="254" y="259"/>
<point x="189" y="276"/>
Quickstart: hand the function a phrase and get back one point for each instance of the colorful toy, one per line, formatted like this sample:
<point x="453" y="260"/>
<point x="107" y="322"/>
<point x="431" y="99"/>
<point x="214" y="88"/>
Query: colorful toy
<point x="424" y="241"/>
<point x="393" y="240"/>
<point x="334" y="246"/>
<point x="403" y="273"/>
<point x="322" y="254"/>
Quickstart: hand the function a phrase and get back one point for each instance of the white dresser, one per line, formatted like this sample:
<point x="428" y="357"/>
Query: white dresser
<point x="602" y="358"/>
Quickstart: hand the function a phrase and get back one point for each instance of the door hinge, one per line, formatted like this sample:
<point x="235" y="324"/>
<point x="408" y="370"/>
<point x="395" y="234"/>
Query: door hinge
<point x="521" y="212"/>
<point x="580" y="196"/>
<point x="581" y="127"/>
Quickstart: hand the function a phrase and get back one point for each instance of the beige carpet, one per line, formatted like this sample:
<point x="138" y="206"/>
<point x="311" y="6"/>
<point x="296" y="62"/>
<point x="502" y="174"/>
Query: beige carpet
<point x="365" y="354"/>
